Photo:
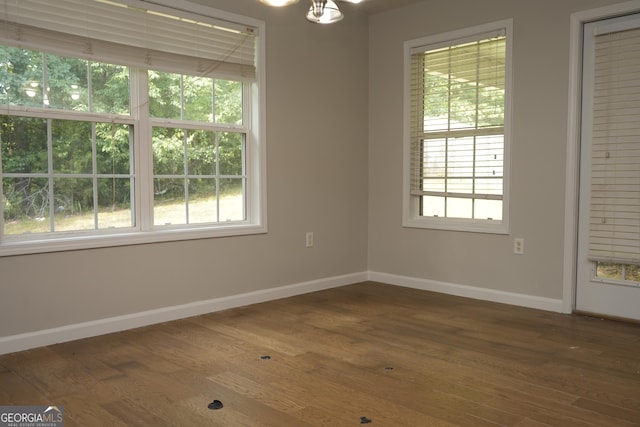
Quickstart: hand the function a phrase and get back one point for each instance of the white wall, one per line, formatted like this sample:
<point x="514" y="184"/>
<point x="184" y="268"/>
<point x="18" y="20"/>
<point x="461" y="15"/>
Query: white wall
<point x="343" y="181"/>
<point x="430" y="258"/>
<point x="317" y="88"/>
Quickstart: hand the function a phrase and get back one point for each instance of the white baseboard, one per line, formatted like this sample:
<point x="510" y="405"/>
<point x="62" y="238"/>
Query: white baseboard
<point x="484" y="294"/>
<point x="20" y="342"/>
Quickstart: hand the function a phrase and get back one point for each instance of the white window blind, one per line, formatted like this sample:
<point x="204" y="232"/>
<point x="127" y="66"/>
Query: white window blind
<point x="132" y="31"/>
<point x="457" y="127"/>
<point x="614" y="231"/>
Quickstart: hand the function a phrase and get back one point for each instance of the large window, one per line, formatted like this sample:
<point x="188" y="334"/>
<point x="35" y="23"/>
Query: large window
<point x="108" y="139"/>
<point x="456" y="152"/>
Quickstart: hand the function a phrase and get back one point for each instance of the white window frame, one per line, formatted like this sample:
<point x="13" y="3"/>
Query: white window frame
<point x="410" y="203"/>
<point x="254" y="106"/>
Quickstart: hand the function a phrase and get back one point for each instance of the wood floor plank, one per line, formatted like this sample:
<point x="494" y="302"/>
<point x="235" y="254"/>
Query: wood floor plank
<point x="14" y="390"/>
<point x="95" y="412"/>
<point x="397" y="356"/>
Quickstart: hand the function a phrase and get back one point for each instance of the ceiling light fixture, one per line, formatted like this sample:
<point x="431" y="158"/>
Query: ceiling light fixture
<point x="324" y="12"/>
<point x="320" y="12"/>
<point x="278" y="3"/>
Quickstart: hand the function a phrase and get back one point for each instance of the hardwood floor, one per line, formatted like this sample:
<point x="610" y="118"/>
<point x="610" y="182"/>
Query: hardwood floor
<point x="396" y="356"/>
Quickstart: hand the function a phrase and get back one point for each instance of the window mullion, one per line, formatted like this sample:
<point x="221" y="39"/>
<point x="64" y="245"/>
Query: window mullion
<point x="94" y="173"/>
<point x="247" y="150"/>
<point x="50" y="179"/>
<point x="185" y="167"/>
<point x="477" y="126"/>
<point x="217" y="157"/>
<point x="143" y="149"/>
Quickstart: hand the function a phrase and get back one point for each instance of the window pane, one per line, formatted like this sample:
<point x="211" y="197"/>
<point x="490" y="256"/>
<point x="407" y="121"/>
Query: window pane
<point x="165" y="95"/>
<point x="21" y="78"/>
<point x="606" y="270"/>
<point x="620" y="272"/>
<point x="462" y="113"/>
<point x="633" y="273"/>
<point x="169" y="205"/>
<point x="433" y="206"/>
<point x="201" y="153"/>
<point x="436" y="99"/>
<point x="72" y="151"/>
<point x="110" y="89"/>
<point x="488" y="209"/>
<point x="434" y="157"/>
<point x="460" y="157"/>
<point x="460" y="186"/>
<point x="113" y="148"/>
<point x="489" y="155"/>
<point x="230" y="153"/>
<point x="25" y="73"/>
<point x="228" y="102"/>
<point x="66" y="80"/>
<point x="26" y="205"/>
<point x="459" y="208"/>
<point x="491" y="81"/>
<point x="433" y="185"/>
<point x="198" y="95"/>
<point x="203" y="202"/>
<point x="168" y="151"/>
<point x="231" y="200"/>
<point x="24" y="144"/>
<point x="194" y="98"/>
<point x="73" y="204"/>
<point x="114" y="201"/>
<point x="489" y="186"/>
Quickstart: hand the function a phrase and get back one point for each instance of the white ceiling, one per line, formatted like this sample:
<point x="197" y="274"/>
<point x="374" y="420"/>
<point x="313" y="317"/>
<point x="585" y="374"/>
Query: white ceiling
<point x="375" y="6"/>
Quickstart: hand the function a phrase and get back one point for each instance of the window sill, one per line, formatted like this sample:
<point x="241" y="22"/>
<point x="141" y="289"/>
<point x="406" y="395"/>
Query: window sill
<point x="67" y="243"/>
<point x="454" y="224"/>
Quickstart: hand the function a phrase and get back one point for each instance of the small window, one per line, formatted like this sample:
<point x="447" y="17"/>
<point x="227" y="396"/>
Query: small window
<point x="617" y="273"/>
<point x="456" y="148"/>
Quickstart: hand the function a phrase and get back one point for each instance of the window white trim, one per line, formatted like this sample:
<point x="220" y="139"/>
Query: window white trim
<point x="256" y="194"/>
<point x="410" y="217"/>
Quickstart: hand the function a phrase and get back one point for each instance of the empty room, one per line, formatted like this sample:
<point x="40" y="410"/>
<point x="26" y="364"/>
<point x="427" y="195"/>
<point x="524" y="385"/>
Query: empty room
<point x="320" y="213"/>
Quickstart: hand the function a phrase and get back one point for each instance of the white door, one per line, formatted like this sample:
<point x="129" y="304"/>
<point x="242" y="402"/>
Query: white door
<point x="608" y="270"/>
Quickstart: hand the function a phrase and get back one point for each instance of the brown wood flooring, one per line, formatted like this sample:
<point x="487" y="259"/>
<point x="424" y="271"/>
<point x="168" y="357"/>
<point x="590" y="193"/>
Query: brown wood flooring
<point x="396" y="356"/>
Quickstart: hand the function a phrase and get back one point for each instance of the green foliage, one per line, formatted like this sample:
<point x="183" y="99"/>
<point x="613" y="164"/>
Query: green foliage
<point x="176" y="96"/>
<point x="110" y="84"/>
<point x="228" y="96"/>
<point x="20" y="76"/>
<point x="168" y="151"/>
<point x="464" y="85"/>
<point x="463" y="102"/>
<point x="80" y="149"/>
<point x="113" y="148"/>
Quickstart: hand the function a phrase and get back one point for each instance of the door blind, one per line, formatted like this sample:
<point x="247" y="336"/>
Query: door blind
<point x="614" y="229"/>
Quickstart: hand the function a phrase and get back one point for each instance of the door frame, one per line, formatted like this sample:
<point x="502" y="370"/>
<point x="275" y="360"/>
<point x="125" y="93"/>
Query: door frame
<point x="572" y="179"/>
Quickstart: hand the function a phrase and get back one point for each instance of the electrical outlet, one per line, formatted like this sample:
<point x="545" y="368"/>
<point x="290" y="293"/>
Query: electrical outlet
<point x="518" y="246"/>
<point x="309" y="239"/>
